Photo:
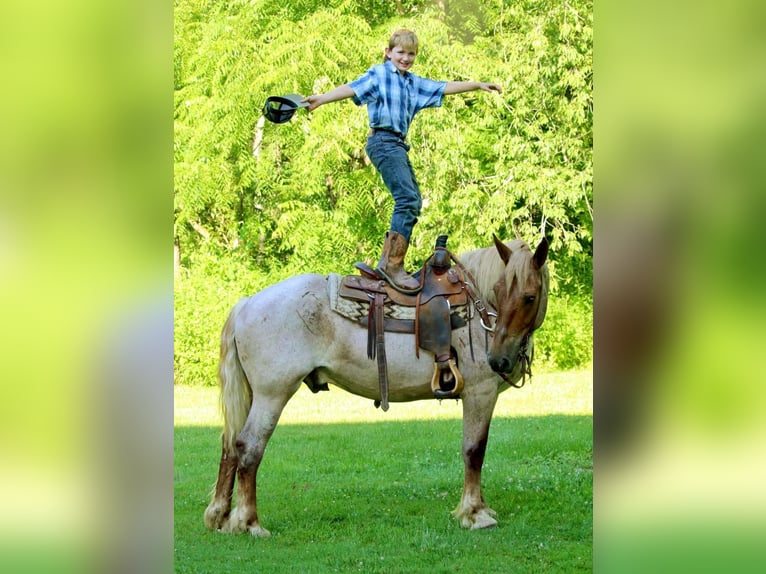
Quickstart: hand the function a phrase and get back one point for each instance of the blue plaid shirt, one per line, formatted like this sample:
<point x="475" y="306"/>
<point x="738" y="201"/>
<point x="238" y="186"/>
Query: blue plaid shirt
<point x="393" y="99"/>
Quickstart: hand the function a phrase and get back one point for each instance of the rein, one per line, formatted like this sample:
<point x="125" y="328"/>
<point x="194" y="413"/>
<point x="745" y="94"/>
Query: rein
<point x="526" y="364"/>
<point x="485" y="321"/>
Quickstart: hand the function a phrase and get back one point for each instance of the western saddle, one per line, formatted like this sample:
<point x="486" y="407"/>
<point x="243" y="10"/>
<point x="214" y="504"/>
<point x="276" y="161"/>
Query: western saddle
<point x="437" y="310"/>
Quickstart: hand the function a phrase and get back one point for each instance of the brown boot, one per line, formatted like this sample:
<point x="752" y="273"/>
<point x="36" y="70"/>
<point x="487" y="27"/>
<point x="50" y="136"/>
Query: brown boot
<point x="391" y="264"/>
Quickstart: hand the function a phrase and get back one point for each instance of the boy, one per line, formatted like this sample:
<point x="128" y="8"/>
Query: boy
<point x="393" y="96"/>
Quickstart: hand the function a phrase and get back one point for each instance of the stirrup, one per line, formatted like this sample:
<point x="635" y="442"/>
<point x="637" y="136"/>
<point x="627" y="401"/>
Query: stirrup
<point x="436" y="380"/>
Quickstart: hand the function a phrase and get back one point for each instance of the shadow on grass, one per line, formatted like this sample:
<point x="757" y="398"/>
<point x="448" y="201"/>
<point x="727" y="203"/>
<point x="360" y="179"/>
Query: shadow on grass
<point x="377" y="498"/>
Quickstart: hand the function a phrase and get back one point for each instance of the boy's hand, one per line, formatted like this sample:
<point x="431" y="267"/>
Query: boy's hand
<point x="313" y="101"/>
<point x="488" y="87"/>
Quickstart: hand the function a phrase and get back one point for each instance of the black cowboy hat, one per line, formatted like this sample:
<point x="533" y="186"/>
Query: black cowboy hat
<point x="279" y="109"/>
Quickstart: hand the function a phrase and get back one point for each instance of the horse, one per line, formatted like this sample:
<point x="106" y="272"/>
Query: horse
<point x="287" y="334"/>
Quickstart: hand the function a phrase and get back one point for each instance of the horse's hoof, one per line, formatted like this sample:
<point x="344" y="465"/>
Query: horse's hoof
<point x="475" y="520"/>
<point x="259" y="531"/>
<point x="236" y="523"/>
<point x="215" y="516"/>
<point x="484" y="519"/>
<point x="230" y="527"/>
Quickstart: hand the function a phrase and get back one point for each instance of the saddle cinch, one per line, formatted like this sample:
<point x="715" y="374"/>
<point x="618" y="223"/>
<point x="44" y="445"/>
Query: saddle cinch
<point x="439" y="306"/>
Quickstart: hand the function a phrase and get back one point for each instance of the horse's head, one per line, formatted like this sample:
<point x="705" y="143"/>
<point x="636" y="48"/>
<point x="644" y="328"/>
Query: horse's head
<point x="521" y="298"/>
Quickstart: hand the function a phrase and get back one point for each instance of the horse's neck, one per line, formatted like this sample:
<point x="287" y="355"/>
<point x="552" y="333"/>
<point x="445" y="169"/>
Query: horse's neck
<point x="474" y="263"/>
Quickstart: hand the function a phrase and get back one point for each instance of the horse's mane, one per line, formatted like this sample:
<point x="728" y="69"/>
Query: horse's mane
<point x="488" y="268"/>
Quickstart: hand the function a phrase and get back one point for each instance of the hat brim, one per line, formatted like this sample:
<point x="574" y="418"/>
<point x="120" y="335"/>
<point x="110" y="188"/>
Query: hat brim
<point x="295" y="99"/>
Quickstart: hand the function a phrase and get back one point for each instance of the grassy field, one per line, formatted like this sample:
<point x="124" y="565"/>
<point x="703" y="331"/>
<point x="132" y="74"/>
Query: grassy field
<point x="345" y="487"/>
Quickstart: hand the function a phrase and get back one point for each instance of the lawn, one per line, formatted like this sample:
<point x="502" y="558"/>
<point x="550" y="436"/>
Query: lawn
<point x="345" y="487"/>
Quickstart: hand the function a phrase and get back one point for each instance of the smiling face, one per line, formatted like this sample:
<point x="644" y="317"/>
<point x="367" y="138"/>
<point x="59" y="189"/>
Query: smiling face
<point x="402" y="57"/>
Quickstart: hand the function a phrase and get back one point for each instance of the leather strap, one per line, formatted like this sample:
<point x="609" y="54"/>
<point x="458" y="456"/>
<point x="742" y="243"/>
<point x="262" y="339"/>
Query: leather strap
<point x="371" y="329"/>
<point x="380" y="348"/>
<point x="417" y="323"/>
<point x="469" y="283"/>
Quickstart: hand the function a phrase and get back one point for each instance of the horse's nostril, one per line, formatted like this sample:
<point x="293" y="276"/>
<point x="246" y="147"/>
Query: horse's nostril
<point x="499" y="365"/>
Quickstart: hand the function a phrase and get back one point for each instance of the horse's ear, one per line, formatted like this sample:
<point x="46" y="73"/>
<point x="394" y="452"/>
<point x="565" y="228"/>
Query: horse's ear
<point x="541" y="253"/>
<point x="504" y="251"/>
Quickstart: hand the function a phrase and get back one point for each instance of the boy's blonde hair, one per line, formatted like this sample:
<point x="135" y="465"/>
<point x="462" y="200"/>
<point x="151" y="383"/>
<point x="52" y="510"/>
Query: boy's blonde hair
<point x="405" y="39"/>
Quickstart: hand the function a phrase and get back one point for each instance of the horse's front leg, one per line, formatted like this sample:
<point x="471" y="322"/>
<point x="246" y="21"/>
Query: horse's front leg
<point x="472" y="512"/>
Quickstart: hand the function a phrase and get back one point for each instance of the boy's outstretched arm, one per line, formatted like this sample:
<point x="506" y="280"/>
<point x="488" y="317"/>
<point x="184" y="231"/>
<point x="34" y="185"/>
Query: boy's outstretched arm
<point x="460" y="87"/>
<point x="339" y="93"/>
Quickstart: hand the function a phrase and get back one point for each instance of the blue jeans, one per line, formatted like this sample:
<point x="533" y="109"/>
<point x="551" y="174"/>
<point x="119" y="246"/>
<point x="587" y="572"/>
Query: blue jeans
<point x="388" y="153"/>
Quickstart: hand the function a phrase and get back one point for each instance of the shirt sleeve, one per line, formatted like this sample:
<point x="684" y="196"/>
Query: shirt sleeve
<point x="430" y="93"/>
<point x="365" y="88"/>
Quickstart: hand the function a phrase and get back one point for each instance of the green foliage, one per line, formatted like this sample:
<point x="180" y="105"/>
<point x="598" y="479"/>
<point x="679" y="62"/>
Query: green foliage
<point x="203" y="299"/>
<point x="565" y="340"/>
<point x="303" y="191"/>
<point x="275" y="200"/>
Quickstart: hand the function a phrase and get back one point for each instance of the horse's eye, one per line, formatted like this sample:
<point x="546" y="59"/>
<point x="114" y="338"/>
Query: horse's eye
<point x="529" y="299"/>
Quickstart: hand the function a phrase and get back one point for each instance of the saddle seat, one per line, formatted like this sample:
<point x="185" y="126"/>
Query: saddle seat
<point x="436" y="308"/>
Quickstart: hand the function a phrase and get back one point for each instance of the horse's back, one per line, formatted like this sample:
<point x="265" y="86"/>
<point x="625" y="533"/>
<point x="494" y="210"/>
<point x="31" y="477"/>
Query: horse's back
<point x="271" y="306"/>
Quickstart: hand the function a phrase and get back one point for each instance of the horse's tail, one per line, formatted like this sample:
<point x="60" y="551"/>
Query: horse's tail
<point x="236" y="395"/>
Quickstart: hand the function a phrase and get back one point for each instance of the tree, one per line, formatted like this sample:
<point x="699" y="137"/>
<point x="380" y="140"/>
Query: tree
<point x="303" y="195"/>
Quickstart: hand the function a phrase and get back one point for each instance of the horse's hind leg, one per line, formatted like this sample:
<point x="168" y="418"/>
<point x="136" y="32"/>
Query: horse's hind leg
<point x="250" y="445"/>
<point x="220" y="507"/>
<point x="245" y="515"/>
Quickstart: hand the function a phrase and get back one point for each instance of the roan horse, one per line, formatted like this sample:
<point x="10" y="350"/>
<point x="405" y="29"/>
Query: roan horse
<point x="287" y="334"/>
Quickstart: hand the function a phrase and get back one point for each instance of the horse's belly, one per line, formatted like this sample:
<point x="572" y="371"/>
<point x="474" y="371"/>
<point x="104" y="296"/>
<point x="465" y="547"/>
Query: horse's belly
<point x="409" y="378"/>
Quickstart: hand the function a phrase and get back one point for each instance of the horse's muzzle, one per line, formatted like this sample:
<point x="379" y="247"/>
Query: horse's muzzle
<point x="504" y="362"/>
<point x="501" y="364"/>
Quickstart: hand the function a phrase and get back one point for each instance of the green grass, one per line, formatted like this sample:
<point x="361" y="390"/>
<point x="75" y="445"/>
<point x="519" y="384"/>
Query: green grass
<point x="346" y="488"/>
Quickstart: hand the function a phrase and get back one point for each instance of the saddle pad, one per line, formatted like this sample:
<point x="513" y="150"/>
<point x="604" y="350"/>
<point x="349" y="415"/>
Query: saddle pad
<point x="358" y="310"/>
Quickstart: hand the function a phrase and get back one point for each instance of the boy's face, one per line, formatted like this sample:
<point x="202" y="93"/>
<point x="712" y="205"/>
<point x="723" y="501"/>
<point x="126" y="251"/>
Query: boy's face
<point x="402" y="58"/>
